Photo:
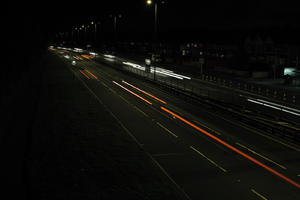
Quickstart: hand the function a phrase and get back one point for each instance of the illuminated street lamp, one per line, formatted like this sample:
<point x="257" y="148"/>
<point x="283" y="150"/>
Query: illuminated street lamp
<point x="95" y="31"/>
<point x="150" y="2"/>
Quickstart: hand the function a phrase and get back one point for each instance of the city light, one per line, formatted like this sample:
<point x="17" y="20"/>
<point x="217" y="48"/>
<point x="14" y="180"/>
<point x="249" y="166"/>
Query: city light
<point x="109" y="56"/>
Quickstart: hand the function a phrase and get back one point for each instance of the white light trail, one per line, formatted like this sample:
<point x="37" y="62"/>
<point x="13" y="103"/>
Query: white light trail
<point x="109" y="56"/>
<point x="275" y="106"/>
<point x="134" y="65"/>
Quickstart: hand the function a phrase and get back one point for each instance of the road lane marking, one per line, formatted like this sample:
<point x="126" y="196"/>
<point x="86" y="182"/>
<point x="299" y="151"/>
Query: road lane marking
<point x="112" y="90"/>
<point x="208" y="128"/>
<point x="168" y="131"/>
<point x="261" y="196"/>
<point x="233" y="148"/>
<point x="105" y="85"/>
<point x="140" y="111"/>
<point x="170" y="178"/>
<point x="263" y="135"/>
<point x="150" y="95"/>
<point x="124" y="99"/>
<point x="84" y="74"/>
<point x="210" y="160"/>
<point x="132" y="92"/>
<point x="254" y="152"/>
<point x="270" y="138"/>
<point x="111" y="113"/>
<point x="91" y="74"/>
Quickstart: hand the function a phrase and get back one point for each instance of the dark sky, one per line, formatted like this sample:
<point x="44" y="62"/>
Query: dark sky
<point x="178" y="19"/>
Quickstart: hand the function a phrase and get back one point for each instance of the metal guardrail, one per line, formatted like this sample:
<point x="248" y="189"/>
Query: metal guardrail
<point x="279" y="94"/>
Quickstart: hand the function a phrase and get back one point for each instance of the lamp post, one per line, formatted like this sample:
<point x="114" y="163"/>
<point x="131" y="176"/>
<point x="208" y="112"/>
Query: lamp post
<point x="95" y="31"/>
<point x="150" y="2"/>
<point x="115" y="17"/>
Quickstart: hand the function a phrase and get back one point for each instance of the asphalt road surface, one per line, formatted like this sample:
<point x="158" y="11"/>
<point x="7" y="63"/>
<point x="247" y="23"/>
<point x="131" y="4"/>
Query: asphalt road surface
<point x="205" y="153"/>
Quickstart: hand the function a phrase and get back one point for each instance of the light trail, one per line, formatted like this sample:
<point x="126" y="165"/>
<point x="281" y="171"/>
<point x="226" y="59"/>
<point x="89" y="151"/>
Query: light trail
<point x="154" y="97"/>
<point x="84" y="74"/>
<point x="134" y="65"/>
<point x="91" y="74"/>
<point x="132" y="92"/>
<point x="232" y="148"/>
<point x="275" y="106"/>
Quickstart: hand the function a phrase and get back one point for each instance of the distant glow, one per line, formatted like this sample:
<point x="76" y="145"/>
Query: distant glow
<point x="148" y="61"/>
<point x="77" y="58"/>
<point x="109" y="59"/>
<point x="132" y="92"/>
<point x="86" y="56"/>
<point x="67" y="56"/>
<point x="289" y="71"/>
<point x="169" y="73"/>
<point x="232" y="147"/>
<point x="77" y="50"/>
<point x="109" y="56"/>
<point x="149" y="2"/>
<point x="150" y="95"/>
<point x="134" y="65"/>
<point x="73" y="62"/>
<point x="93" y="53"/>
<point x="276" y="106"/>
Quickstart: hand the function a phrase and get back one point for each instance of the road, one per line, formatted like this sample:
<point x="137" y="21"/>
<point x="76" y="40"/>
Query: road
<point x="205" y="153"/>
<point x="230" y="92"/>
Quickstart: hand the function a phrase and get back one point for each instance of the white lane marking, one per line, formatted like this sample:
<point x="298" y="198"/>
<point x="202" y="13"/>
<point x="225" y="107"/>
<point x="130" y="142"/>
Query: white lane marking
<point x="124" y="99"/>
<point x="254" y="152"/>
<point x="167" y="130"/>
<point x="141" y="145"/>
<point x="141" y="111"/>
<point x="261" y="196"/>
<point x="270" y="138"/>
<point x="218" y="133"/>
<point x="112" y="90"/>
<point x="104" y="84"/>
<point x="110" y="112"/>
<point x="263" y="135"/>
<point x="211" y="161"/>
<point x="166" y="173"/>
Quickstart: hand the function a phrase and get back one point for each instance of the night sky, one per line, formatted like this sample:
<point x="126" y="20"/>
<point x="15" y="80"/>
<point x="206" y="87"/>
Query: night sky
<point x="178" y="20"/>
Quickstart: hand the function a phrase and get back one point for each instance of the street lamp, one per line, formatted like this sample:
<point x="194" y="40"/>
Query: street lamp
<point x="115" y="17"/>
<point x="150" y="2"/>
<point x="95" y="31"/>
<point x="77" y="30"/>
